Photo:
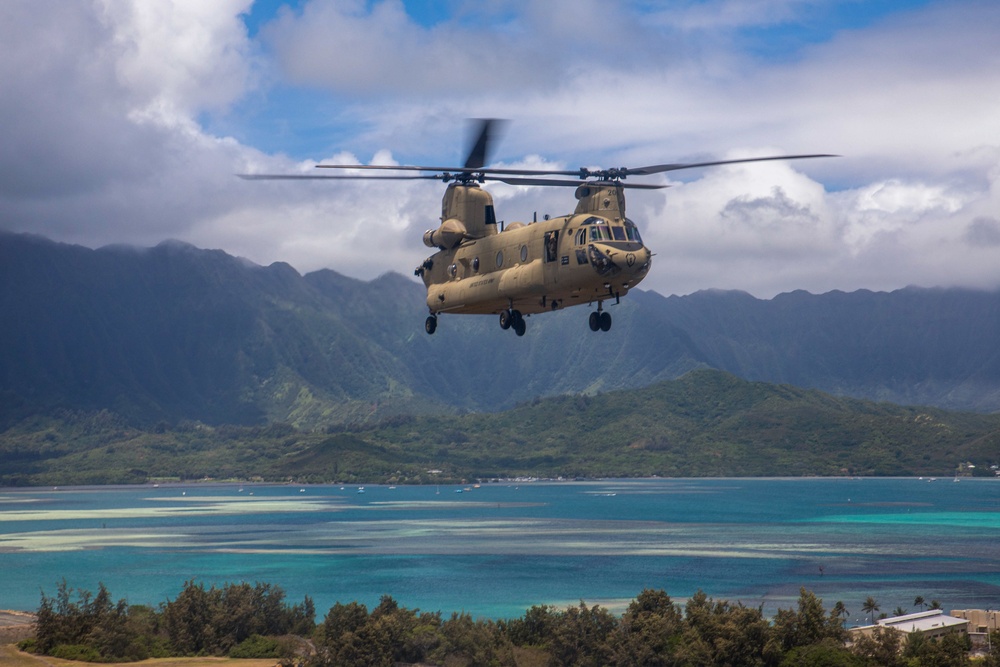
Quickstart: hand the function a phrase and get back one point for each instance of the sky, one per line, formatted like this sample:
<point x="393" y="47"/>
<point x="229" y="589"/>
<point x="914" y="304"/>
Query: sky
<point x="126" y="122"/>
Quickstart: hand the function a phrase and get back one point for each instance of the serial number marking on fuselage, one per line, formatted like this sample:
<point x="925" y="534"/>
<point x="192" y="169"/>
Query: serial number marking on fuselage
<point x="484" y="281"/>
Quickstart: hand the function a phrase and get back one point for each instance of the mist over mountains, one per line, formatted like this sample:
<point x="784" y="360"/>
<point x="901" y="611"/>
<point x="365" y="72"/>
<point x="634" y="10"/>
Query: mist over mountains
<point x="176" y="333"/>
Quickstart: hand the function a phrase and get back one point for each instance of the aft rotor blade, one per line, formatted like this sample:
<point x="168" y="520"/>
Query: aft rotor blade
<point x="334" y="177"/>
<point x="660" y="168"/>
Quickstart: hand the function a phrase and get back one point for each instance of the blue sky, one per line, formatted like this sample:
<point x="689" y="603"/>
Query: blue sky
<point x="302" y="121"/>
<point x="127" y="120"/>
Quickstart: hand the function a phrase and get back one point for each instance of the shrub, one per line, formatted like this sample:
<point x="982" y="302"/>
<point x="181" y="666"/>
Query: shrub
<point x="75" y="652"/>
<point x="256" y="646"/>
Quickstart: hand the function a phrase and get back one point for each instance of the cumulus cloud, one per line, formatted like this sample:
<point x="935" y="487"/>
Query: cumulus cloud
<point x="105" y="102"/>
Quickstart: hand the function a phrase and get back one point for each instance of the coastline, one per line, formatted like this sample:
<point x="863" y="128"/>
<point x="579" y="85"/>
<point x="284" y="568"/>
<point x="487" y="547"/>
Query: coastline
<point x="15" y="625"/>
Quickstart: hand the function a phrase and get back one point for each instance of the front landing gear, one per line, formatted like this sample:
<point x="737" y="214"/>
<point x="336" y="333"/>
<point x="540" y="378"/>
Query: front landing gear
<point x="431" y="324"/>
<point x="513" y="319"/>
<point x="600" y="320"/>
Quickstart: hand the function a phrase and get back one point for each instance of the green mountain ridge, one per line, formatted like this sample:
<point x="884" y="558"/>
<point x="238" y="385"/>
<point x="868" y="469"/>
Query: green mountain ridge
<point x="707" y="423"/>
<point x="173" y="333"/>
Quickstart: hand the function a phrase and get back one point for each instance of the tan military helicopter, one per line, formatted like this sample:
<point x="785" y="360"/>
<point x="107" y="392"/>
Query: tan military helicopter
<point x="590" y="256"/>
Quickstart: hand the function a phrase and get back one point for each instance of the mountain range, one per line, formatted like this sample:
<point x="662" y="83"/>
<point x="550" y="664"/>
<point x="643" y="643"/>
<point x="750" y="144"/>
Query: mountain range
<point x="175" y="333"/>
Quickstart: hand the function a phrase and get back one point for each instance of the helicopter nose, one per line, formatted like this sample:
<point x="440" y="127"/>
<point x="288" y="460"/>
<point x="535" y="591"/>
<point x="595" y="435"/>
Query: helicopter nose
<point x="638" y="262"/>
<point x="608" y="260"/>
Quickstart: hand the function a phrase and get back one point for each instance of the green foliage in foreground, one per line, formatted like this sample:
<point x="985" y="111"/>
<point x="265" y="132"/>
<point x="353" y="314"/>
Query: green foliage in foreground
<point x="707" y="423"/>
<point x="238" y="620"/>
<point x="252" y="621"/>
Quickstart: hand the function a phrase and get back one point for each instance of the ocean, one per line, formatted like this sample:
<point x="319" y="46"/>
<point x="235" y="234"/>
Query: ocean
<point x="497" y="549"/>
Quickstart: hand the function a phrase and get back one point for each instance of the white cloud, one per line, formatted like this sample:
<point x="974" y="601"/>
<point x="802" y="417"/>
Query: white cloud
<point x="179" y="57"/>
<point x="103" y="103"/>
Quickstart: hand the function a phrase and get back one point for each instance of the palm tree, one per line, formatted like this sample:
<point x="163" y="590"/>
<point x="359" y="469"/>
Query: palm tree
<point x="919" y="602"/>
<point x="898" y="611"/>
<point x="870" y="607"/>
<point x="935" y="604"/>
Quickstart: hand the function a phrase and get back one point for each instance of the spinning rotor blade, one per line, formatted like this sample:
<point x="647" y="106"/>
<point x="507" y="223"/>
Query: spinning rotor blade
<point x="328" y="177"/>
<point x="483" y="134"/>
<point x="518" y="180"/>
<point x="486" y="131"/>
<point x="660" y="168"/>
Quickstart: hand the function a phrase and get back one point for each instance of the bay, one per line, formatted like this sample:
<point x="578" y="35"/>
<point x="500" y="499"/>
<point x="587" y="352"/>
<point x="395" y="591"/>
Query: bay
<point x="496" y="550"/>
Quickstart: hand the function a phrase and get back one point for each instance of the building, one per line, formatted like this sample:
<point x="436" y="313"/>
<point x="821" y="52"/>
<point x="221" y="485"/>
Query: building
<point x="981" y="624"/>
<point x="933" y="623"/>
<point x="980" y="621"/>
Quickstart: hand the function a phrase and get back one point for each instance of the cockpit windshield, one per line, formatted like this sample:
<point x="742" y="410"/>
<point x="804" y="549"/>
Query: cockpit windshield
<point x="632" y="231"/>
<point x="600" y="233"/>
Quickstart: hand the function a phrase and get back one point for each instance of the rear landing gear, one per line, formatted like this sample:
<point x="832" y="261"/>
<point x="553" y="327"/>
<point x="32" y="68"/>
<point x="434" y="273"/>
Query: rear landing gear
<point x="513" y="318"/>
<point x="431" y="324"/>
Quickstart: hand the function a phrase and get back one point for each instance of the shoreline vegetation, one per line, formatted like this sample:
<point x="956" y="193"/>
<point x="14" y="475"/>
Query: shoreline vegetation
<point x="706" y="424"/>
<point x="256" y="624"/>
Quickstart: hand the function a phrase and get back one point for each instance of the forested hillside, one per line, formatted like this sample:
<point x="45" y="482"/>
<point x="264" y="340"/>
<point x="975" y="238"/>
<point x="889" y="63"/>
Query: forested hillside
<point x="707" y="423"/>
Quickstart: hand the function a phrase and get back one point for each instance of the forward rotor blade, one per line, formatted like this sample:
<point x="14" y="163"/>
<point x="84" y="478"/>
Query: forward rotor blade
<point x="484" y="131"/>
<point x="660" y="168"/>
<point x="517" y="180"/>
<point x="389" y="167"/>
<point x="460" y="170"/>
<point x="521" y="180"/>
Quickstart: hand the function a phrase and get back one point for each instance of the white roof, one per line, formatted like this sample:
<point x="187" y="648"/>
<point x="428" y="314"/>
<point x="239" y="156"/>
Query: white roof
<point x="923" y="621"/>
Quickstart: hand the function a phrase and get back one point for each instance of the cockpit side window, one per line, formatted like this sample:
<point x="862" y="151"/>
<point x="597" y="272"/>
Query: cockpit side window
<point x="581" y="236"/>
<point x="632" y="232"/>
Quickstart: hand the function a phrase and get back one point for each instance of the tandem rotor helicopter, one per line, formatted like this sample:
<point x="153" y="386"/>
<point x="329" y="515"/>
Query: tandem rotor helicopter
<point x="592" y="255"/>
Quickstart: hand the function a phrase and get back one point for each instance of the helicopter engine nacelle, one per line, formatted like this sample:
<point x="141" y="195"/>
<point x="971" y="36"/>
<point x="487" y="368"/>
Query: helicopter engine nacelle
<point x="448" y="235"/>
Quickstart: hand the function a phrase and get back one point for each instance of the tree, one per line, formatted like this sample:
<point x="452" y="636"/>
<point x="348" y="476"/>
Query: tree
<point x="720" y="633"/>
<point x="581" y="636"/>
<point x="992" y="658"/>
<point x="828" y="653"/>
<point x="870" y="606"/>
<point x="837" y="616"/>
<point x="188" y="619"/>
<point x="807" y="626"/>
<point x="93" y="626"/>
<point x="470" y="642"/>
<point x="919" y="601"/>
<point x="881" y="647"/>
<point x="951" y="650"/>
<point x="534" y="628"/>
<point x="648" y="631"/>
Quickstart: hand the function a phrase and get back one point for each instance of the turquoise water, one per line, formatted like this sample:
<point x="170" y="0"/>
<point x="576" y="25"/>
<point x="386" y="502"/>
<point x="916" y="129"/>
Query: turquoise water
<point x="496" y="550"/>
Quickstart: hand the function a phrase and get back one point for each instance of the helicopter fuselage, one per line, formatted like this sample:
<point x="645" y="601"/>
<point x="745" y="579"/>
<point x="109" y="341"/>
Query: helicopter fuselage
<point x="538" y="267"/>
<point x="592" y="255"/>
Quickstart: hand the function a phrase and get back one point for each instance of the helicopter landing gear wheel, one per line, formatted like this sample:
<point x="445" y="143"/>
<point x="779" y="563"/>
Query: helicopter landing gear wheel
<point x="512" y="318"/>
<point x="431" y="324"/>
<point x="600" y="320"/>
<point x="520" y="326"/>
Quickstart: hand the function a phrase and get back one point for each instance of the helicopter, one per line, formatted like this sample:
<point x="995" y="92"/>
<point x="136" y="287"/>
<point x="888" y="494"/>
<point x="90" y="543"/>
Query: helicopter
<point x="591" y="256"/>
